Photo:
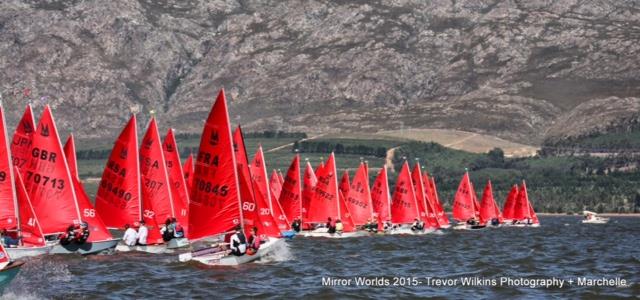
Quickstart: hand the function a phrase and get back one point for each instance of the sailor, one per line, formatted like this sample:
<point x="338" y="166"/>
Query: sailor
<point x="254" y="241"/>
<point x="416" y="225"/>
<point x="8" y="241"/>
<point x="374" y="226"/>
<point x="472" y="221"/>
<point x="82" y="234"/>
<point x="68" y="236"/>
<point x="495" y="222"/>
<point x="367" y="226"/>
<point x="178" y="231"/>
<point x="143" y="233"/>
<point x="331" y="226"/>
<point x="130" y="234"/>
<point x="238" y="242"/>
<point x="338" y="227"/>
<point x="296" y="224"/>
<point x="387" y="226"/>
<point x="167" y="231"/>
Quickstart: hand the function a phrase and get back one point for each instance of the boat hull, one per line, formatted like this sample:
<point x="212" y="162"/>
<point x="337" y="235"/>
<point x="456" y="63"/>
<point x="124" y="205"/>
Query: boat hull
<point x="8" y="273"/>
<point x="596" y="221"/>
<point x="408" y="231"/>
<point x="468" y="227"/>
<point x="322" y="232"/>
<point x="169" y="247"/>
<point x="86" y="248"/>
<point x="222" y="258"/>
<point x="21" y="252"/>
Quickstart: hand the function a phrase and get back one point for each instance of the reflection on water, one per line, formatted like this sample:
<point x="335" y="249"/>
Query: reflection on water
<point x="561" y="248"/>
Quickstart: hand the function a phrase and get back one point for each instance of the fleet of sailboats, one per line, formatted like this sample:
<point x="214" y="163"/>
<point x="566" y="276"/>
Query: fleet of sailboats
<point x="215" y="191"/>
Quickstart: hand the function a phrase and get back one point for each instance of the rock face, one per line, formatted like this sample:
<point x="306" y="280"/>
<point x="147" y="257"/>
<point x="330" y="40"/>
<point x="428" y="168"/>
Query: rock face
<point x="508" y="68"/>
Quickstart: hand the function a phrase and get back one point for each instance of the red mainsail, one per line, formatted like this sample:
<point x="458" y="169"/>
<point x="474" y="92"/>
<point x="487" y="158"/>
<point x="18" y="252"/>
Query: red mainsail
<point x="179" y="191"/>
<point x="188" y="169"/>
<point x="261" y="185"/>
<point x="510" y="203"/>
<point x="404" y="206"/>
<point x="521" y="208"/>
<point x="324" y="201"/>
<point x="346" y="218"/>
<point x="359" y="197"/>
<point x="427" y="213"/>
<point x="22" y="139"/>
<point x="30" y="229"/>
<point x="250" y="207"/>
<point x="380" y="198"/>
<point x="118" y="199"/>
<point x="98" y="231"/>
<point x="275" y="185"/>
<point x="48" y="180"/>
<point x="308" y="183"/>
<point x="464" y="203"/>
<point x="488" y="207"/>
<point x="291" y="195"/>
<point x="344" y="183"/>
<point x="7" y="189"/>
<point x="215" y="200"/>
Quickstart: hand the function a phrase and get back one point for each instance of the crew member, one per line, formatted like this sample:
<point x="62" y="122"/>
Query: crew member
<point x="238" y="243"/>
<point x="338" y="227"/>
<point x="254" y="241"/>
<point x="130" y="235"/>
<point x="143" y="233"/>
<point x="331" y="226"/>
<point x="167" y="231"/>
<point x="7" y="240"/>
<point x="296" y="224"/>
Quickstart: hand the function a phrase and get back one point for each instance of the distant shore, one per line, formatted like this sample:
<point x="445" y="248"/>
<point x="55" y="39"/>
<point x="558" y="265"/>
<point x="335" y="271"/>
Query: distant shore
<point x="602" y="214"/>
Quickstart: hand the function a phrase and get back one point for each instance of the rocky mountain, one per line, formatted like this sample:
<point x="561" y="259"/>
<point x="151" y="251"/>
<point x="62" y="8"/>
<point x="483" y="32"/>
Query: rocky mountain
<point x="522" y="70"/>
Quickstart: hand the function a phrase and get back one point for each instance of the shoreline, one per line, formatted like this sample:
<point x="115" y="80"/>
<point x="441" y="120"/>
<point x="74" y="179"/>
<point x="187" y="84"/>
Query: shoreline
<point x="602" y="214"/>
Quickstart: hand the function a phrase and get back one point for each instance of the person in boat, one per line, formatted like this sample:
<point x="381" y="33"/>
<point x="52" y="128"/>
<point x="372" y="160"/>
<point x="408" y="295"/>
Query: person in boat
<point x="238" y="242"/>
<point x="472" y="221"/>
<point x="254" y="241"/>
<point x="528" y="221"/>
<point x="331" y="226"/>
<point x="130" y="235"/>
<point x="143" y="233"/>
<point x="82" y="233"/>
<point x="68" y="236"/>
<point x="495" y="222"/>
<point x="417" y="225"/>
<point x="296" y="225"/>
<point x="387" y="226"/>
<point x="178" y="231"/>
<point x="7" y="240"/>
<point x="339" y="227"/>
<point x="167" y="230"/>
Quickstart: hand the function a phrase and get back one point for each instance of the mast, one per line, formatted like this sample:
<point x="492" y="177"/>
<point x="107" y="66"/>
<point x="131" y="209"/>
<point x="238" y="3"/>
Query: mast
<point x="11" y="175"/>
<point x="137" y="154"/>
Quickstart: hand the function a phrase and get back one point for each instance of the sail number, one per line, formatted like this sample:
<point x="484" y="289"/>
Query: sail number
<point x="152" y="184"/>
<point x="115" y="190"/>
<point x="248" y="206"/>
<point x="89" y="213"/>
<point x="36" y="178"/>
<point x="208" y="187"/>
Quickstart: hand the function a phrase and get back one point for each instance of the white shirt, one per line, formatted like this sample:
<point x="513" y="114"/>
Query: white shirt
<point x="241" y="247"/>
<point x="129" y="237"/>
<point x="143" y="232"/>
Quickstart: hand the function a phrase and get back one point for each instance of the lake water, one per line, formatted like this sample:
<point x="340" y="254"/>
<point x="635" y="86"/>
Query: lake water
<point x="561" y="249"/>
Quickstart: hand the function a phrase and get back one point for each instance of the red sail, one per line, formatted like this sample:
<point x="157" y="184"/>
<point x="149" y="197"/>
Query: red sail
<point x="346" y="218"/>
<point x="464" y="202"/>
<point x="521" y="208"/>
<point x="359" y="197"/>
<point x="488" y="207"/>
<point x="264" y="220"/>
<point x="188" y="170"/>
<point x="432" y="194"/>
<point x="280" y="177"/>
<point x="427" y="213"/>
<point x="344" y="183"/>
<point x="22" y="139"/>
<point x="98" y="231"/>
<point x="261" y="185"/>
<point x="118" y="199"/>
<point x="319" y="167"/>
<point x="380" y="198"/>
<point x="510" y="202"/>
<point x="404" y="206"/>
<point x="7" y="189"/>
<point x="30" y="229"/>
<point x="534" y="216"/>
<point x="250" y="209"/>
<point x="179" y="191"/>
<point x="324" y="200"/>
<point x="48" y="180"/>
<point x="308" y="183"/>
<point x="291" y="195"/>
<point x="275" y="185"/>
<point x="215" y="200"/>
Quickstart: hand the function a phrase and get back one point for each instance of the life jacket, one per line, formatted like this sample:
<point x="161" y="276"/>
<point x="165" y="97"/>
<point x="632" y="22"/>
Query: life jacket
<point x="241" y="238"/>
<point x="179" y="228"/>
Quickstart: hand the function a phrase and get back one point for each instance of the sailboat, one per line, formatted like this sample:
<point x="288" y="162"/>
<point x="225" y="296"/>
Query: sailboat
<point x="188" y="170"/>
<point x="157" y="202"/>
<point x="465" y="205"/>
<point x="427" y="211"/>
<point x="8" y="268"/>
<point x="509" y="206"/>
<point x="275" y="185"/>
<point x="381" y="198"/>
<point x="523" y="213"/>
<point x="16" y="212"/>
<point x="175" y="173"/>
<point x="261" y="188"/>
<point x="216" y="206"/>
<point x="51" y="187"/>
<point x="358" y="196"/>
<point x="291" y="195"/>
<point x="309" y="181"/>
<point x="405" y="208"/>
<point x="344" y="183"/>
<point x="326" y="202"/>
<point x="22" y="138"/>
<point x="489" y="212"/>
<point x="432" y="193"/>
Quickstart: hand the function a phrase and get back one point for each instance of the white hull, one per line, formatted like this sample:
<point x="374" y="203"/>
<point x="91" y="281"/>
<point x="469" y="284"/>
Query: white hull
<point x="222" y="258"/>
<point x="20" y="252"/>
<point x="322" y="232"/>
<point x="597" y="220"/>
<point x="169" y="247"/>
<point x="408" y="231"/>
<point x="86" y="248"/>
<point x="445" y="226"/>
<point x="520" y="225"/>
<point x="467" y="227"/>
